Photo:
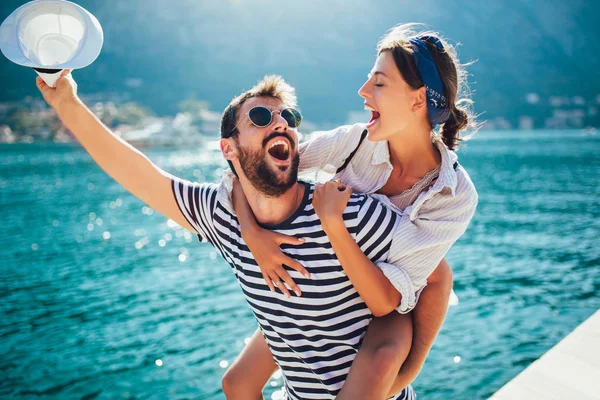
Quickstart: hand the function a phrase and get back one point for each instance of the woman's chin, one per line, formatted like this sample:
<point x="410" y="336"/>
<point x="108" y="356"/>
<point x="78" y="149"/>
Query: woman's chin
<point x="375" y="134"/>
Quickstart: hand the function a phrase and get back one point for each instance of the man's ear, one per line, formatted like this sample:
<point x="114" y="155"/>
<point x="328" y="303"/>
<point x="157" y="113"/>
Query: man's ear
<point x="420" y="99"/>
<point x="228" y="149"/>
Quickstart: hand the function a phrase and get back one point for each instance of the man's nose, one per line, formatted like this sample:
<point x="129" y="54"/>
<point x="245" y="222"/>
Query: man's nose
<point x="279" y="123"/>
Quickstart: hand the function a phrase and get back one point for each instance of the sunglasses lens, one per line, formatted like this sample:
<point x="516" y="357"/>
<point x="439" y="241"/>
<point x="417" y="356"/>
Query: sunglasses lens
<point x="260" y="116"/>
<point x="292" y="116"/>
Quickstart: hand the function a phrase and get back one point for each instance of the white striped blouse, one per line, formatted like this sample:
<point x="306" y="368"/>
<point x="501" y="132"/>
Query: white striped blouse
<point x="429" y="226"/>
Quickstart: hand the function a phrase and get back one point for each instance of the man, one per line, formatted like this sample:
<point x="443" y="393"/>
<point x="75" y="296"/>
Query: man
<point x="314" y="338"/>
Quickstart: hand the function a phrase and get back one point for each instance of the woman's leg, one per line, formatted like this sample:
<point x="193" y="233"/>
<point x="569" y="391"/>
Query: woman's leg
<point x="250" y="372"/>
<point x="384" y="349"/>
<point x="428" y="317"/>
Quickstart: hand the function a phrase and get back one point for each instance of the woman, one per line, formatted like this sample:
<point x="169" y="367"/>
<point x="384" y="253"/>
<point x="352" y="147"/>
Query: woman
<point x="413" y="87"/>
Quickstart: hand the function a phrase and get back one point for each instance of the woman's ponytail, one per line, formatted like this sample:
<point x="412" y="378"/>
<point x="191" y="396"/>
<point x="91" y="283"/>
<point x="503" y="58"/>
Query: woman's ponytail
<point x="450" y="131"/>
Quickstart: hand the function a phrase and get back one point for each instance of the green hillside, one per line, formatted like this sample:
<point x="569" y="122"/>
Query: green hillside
<point x="159" y="52"/>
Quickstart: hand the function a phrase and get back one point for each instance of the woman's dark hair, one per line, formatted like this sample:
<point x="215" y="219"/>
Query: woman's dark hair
<point x="452" y="74"/>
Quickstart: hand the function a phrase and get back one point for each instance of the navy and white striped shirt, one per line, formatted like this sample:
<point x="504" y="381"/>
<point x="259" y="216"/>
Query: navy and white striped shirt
<point x="314" y="338"/>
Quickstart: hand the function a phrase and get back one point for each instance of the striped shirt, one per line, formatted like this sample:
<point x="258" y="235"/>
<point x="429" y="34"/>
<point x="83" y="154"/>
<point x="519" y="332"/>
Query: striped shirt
<point x="314" y="338"/>
<point x="427" y="228"/>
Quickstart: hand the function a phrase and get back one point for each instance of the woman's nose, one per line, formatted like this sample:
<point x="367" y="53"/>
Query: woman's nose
<point x="364" y="91"/>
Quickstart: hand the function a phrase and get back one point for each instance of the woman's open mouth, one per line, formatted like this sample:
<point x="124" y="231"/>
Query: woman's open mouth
<point x="374" y="115"/>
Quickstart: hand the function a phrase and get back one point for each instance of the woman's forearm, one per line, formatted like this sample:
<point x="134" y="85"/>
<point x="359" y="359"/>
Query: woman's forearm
<point x="375" y="289"/>
<point x="242" y="209"/>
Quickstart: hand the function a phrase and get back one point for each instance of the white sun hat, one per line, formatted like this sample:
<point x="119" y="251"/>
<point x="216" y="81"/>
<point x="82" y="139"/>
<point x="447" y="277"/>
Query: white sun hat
<point x="51" y="35"/>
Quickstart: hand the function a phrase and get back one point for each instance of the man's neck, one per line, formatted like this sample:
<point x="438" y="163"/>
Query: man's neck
<point x="273" y="210"/>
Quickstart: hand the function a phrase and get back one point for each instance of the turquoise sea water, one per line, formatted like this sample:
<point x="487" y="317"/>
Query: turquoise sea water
<point x="96" y="288"/>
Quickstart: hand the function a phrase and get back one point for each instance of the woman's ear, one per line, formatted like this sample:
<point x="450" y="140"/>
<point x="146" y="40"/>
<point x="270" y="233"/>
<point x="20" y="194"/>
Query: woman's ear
<point x="228" y="149"/>
<point x="420" y="99"/>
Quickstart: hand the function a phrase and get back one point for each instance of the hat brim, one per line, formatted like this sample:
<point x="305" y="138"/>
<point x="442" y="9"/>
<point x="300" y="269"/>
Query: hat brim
<point x="88" y="49"/>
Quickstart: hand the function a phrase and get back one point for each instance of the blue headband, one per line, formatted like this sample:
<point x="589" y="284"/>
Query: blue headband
<point x="437" y="106"/>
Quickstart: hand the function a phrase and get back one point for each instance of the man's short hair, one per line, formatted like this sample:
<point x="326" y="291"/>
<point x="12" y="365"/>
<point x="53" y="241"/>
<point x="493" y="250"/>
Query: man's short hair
<point x="270" y="86"/>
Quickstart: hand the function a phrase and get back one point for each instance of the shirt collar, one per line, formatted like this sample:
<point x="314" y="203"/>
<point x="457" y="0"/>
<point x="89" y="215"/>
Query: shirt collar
<point x="381" y="154"/>
<point x="447" y="177"/>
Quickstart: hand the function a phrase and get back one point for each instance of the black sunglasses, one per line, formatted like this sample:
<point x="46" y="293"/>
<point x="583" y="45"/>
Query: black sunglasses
<point x="261" y="117"/>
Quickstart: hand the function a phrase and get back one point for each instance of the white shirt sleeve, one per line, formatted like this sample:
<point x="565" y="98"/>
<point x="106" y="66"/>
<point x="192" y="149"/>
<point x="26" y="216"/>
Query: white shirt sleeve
<point x="326" y="151"/>
<point x="419" y="245"/>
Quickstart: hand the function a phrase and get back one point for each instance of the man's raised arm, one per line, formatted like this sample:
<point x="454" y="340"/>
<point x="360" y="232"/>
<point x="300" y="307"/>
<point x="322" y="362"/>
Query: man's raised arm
<point x="125" y="164"/>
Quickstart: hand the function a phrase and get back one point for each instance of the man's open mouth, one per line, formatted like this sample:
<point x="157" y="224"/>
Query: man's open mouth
<point x="279" y="150"/>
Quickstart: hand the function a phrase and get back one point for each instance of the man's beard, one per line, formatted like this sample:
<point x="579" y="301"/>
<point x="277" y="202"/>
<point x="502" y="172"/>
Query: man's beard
<point x="262" y="177"/>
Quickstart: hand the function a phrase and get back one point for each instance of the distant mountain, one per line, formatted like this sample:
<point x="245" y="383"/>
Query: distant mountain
<point x="162" y="51"/>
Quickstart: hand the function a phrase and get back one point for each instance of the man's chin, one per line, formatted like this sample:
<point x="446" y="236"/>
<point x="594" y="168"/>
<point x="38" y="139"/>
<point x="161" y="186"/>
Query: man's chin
<point x="284" y="178"/>
<point x="270" y="178"/>
<point x="281" y="172"/>
<point x="272" y="182"/>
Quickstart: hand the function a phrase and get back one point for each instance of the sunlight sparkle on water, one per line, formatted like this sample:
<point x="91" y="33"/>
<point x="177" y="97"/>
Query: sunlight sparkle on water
<point x="453" y="300"/>
<point x="141" y="243"/>
<point x="456" y="359"/>
<point x="159" y="363"/>
<point x="106" y="235"/>
<point x="224" y="364"/>
<point x="172" y="224"/>
<point x="139" y="232"/>
<point x="147" y="210"/>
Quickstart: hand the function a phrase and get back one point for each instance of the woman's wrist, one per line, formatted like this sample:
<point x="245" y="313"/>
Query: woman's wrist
<point x="333" y="224"/>
<point x="249" y="229"/>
